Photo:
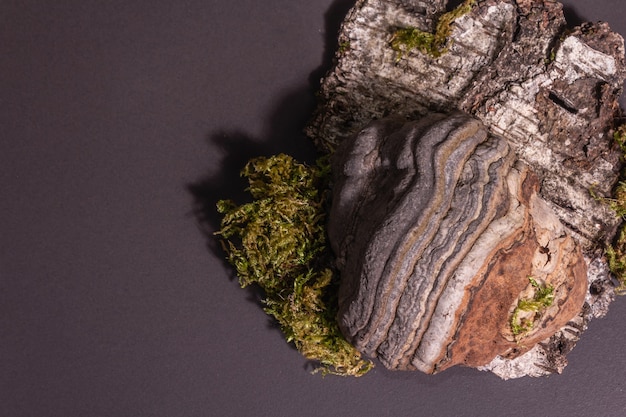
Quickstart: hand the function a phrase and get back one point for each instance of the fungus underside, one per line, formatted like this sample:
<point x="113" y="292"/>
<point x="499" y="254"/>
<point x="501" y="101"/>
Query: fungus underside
<point x="434" y="44"/>
<point x="278" y="241"/>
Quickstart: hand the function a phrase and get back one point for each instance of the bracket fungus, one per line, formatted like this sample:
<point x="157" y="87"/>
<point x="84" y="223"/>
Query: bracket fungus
<point x="437" y="229"/>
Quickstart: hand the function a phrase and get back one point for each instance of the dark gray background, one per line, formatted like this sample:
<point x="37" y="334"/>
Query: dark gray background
<point x="115" y="117"/>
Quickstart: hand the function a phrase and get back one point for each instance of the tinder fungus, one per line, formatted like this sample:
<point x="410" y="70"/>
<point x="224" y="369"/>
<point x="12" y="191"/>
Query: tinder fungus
<point x="442" y="241"/>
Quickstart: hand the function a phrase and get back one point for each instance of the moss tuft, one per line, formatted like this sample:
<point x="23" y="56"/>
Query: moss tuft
<point x="617" y="203"/>
<point x="405" y="40"/>
<point x="616" y="257"/>
<point x="616" y="253"/>
<point x="344" y="47"/>
<point x="529" y="310"/>
<point x="278" y="241"/>
<point x="619" y="136"/>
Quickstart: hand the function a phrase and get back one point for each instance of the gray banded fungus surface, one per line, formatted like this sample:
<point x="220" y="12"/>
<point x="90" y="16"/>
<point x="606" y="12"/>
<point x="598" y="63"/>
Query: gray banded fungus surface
<point x="440" y="237"/>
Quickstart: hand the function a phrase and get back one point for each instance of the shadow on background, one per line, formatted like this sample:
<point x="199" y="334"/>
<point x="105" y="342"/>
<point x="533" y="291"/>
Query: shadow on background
<point x="284" y="135"/>
<point x="572" y="17"/>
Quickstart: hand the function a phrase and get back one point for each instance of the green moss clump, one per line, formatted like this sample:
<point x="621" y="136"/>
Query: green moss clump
<point x="528" y="310"/>
<point x="344" y="47"/>
<point x="619" y="136"/>
<point x="405" y="40"/>
<point x="617" y="202"/>
<point x="616" y="257"/>
<point x="616" y="253"/>
<point x="434" y="44"/>
<point x="278" y="241"/>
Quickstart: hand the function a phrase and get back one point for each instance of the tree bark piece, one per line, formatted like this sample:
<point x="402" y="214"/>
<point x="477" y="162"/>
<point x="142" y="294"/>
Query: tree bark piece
<point x="549" y="91"/>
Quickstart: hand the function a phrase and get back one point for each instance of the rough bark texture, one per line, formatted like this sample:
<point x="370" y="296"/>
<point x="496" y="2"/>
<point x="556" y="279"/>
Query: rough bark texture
<point x="549" y="91"/>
